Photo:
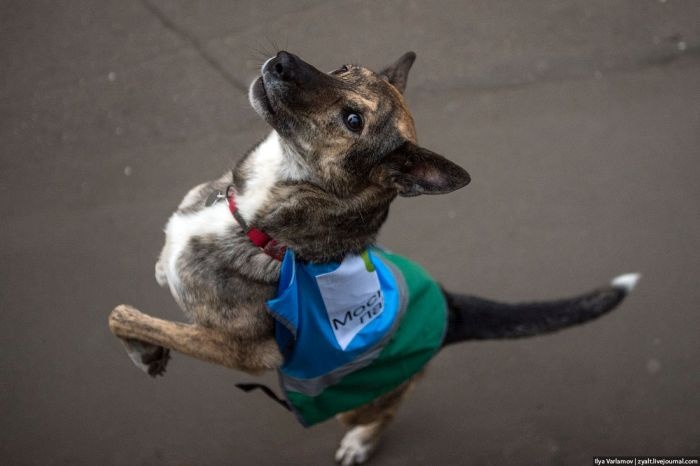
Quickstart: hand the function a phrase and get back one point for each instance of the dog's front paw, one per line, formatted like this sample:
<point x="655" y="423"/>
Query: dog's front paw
<point x="357" y="446"/>
<point x="151" y="359"/>
<point x="161" y="276"/>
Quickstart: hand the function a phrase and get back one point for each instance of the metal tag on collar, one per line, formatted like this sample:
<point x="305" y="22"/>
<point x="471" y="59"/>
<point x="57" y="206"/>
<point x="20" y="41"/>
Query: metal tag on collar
<point x="214" y="197"/>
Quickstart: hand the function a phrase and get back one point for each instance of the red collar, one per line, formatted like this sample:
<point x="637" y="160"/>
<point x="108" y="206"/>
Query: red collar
<point x="257" y="237"/>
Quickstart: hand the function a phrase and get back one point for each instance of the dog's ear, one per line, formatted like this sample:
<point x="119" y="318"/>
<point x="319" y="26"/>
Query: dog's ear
<point x="414" y="170"/>
<point x="397" y="74"/>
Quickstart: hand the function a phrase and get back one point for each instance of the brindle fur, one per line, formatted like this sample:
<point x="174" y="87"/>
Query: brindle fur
<point x="334" y="208"/>
<point x="328" y="199"/>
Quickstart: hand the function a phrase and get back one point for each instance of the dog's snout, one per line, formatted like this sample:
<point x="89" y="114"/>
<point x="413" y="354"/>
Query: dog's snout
<point x="284" y="66"/>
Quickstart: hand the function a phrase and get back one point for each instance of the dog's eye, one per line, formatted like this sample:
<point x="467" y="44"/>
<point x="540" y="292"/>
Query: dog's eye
<point x="354" y="122"/>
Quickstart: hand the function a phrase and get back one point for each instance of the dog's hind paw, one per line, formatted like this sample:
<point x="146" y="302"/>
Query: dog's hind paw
<point x="151" y="359"/>
<point x="357" y="446"/>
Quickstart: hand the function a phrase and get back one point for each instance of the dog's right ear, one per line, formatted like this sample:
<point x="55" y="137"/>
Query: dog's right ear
<point x="397" y="73"/>
<point x="414" y="170"/>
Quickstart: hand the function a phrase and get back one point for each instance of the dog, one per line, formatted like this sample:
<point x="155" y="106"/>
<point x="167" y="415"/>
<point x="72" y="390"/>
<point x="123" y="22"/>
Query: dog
<point x="317" y="190"/>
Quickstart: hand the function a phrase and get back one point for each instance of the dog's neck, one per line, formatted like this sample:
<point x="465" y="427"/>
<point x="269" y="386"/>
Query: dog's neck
<point x="269" y="163"/>
<point x="276" y="192"/>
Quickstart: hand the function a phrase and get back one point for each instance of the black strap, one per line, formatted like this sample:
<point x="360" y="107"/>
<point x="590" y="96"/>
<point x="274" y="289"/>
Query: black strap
<point x="248" y="387"/>
<point x="229" y="192"/>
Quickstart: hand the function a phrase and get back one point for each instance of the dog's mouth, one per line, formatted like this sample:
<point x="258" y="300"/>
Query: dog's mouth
<point x="259" y="98"/>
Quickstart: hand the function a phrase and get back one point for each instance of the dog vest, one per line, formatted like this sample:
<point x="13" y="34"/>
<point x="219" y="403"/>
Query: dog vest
<point x="353" y="331"/>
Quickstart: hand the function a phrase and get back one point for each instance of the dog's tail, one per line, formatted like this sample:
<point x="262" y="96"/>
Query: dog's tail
<point x="472" y="318"/>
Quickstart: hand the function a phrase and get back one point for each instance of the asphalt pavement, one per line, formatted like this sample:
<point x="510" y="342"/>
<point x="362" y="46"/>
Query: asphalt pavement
<point x="579" y="122"/>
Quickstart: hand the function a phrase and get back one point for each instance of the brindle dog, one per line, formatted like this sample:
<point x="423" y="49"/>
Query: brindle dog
<point x="342" y="147"/>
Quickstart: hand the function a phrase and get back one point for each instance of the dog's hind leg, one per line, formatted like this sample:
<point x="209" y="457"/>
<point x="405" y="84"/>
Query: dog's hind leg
<point x="367" y="424"/>
<point x="473" y="318"/>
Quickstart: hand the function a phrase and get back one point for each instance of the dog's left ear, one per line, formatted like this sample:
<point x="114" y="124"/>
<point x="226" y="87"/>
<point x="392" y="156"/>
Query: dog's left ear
<point x="414" y="170"/>
<point x="397" y="74"/>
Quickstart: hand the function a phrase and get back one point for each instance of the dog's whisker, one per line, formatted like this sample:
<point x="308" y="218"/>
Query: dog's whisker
<point x="261" y="49"/>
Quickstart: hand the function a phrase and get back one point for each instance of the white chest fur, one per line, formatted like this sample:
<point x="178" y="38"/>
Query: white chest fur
<point x="215" y="221"/>
<point x="267" y="165"/>
<point x="264" y="167"/>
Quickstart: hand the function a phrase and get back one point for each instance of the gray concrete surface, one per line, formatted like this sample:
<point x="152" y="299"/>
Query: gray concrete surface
<point x="578" y="120"/>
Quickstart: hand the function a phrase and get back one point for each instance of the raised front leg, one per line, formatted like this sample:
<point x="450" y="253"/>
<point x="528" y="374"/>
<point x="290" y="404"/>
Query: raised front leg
<point x="144" y="335"/>
<point x="151" y="359"/>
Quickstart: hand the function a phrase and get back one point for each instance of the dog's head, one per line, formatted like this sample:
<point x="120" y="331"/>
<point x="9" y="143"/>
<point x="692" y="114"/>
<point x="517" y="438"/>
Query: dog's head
<point x="351" y="126"/>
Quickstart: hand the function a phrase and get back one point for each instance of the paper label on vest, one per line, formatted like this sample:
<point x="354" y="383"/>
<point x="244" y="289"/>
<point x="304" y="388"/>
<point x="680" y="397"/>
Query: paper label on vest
<point x="352" y="296"/>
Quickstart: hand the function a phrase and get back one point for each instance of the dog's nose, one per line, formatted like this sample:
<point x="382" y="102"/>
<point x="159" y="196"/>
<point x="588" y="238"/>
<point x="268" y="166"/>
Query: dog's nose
<point x="284" y="66"/>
